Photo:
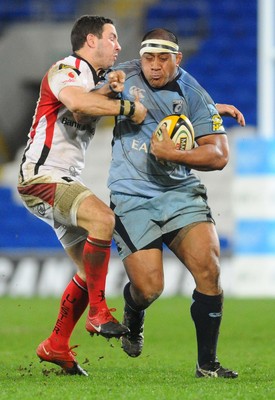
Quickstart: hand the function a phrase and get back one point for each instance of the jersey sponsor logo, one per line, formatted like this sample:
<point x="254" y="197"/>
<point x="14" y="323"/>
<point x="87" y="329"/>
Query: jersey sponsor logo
<point x="73" y="124"/>
<point x="217" y="123"/>
<point x="69" y="80"/>
<point x="137" y="92"/>
<point x="137" y="145"/>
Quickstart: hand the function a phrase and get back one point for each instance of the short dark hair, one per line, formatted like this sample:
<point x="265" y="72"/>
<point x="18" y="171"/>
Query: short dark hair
<point x="85" y="25"/>
<point x="161" y="33"/>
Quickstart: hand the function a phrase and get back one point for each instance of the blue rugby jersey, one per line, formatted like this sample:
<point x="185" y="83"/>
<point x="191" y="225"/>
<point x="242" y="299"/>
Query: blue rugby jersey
<point x="133" y="169"/>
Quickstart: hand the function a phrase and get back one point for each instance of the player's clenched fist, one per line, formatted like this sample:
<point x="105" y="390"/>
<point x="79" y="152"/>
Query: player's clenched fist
<point x="116" y="81"/>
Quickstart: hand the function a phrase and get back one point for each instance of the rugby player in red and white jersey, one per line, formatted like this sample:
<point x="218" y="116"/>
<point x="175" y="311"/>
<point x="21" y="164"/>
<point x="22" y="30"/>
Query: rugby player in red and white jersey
<point x="50" y="178"/>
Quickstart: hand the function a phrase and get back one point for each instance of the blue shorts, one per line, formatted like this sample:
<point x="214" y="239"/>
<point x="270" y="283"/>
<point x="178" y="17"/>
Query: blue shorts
<point x="145" y="222"/>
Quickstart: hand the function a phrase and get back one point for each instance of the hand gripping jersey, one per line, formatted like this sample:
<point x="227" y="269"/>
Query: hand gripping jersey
<point x="57" y="143"/>
<point x="133" y="169"/>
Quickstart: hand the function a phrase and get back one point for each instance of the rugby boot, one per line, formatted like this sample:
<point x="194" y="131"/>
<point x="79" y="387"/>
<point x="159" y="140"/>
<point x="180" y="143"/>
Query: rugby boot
<point x="104" y="324"/>
<point x="65" y="358"/>
<point x="214" y="370"/>
<point x="132" y="342"/>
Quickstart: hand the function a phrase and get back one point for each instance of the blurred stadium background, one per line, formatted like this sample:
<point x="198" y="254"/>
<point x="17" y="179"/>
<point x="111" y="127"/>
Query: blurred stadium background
<point x="229" y="47"/>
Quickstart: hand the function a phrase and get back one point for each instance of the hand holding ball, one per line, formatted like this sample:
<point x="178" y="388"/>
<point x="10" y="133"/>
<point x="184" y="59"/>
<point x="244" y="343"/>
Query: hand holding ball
<point x="179" y="129"/>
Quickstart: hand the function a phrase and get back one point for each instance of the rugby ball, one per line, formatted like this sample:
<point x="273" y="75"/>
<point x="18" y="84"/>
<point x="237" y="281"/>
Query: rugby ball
<point x="179" y="129"/>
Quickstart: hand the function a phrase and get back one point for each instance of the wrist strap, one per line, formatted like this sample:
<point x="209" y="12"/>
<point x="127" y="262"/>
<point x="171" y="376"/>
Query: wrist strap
<point x="127" y="108"/>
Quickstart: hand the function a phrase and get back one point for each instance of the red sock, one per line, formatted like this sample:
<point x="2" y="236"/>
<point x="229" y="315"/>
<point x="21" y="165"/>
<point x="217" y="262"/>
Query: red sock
<point x="96" y="256"/>
<point x="73" y="303"/>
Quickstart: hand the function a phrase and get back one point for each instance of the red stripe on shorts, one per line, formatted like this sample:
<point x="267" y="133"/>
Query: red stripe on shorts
<point x="45" y="191"/>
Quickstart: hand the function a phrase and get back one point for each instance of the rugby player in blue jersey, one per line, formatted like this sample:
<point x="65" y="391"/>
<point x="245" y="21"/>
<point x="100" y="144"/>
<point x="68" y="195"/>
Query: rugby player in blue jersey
<point x="156" y="203"/>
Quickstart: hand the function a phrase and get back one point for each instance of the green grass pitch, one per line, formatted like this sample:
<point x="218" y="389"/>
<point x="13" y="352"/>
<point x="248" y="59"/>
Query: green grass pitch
<point x="164" y="371"/>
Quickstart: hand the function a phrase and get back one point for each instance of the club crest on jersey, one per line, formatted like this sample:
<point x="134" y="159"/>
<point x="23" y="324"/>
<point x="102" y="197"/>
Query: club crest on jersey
<point x="177" y="106"/>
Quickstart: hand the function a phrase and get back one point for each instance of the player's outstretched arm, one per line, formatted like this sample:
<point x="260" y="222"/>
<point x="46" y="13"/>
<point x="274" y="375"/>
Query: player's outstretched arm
<point x="96" y="104"/>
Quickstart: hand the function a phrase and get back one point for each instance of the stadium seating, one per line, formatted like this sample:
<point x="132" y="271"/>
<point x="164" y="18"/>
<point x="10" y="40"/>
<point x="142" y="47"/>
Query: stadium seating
<point x="225" y="61"/>
<point x="185" y="19"/>
<point x="20" y="230"/>
<point x="37" y="10"/>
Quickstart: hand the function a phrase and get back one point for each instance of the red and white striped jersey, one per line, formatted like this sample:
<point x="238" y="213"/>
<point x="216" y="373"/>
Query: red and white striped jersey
<point x="57" y="143"/>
